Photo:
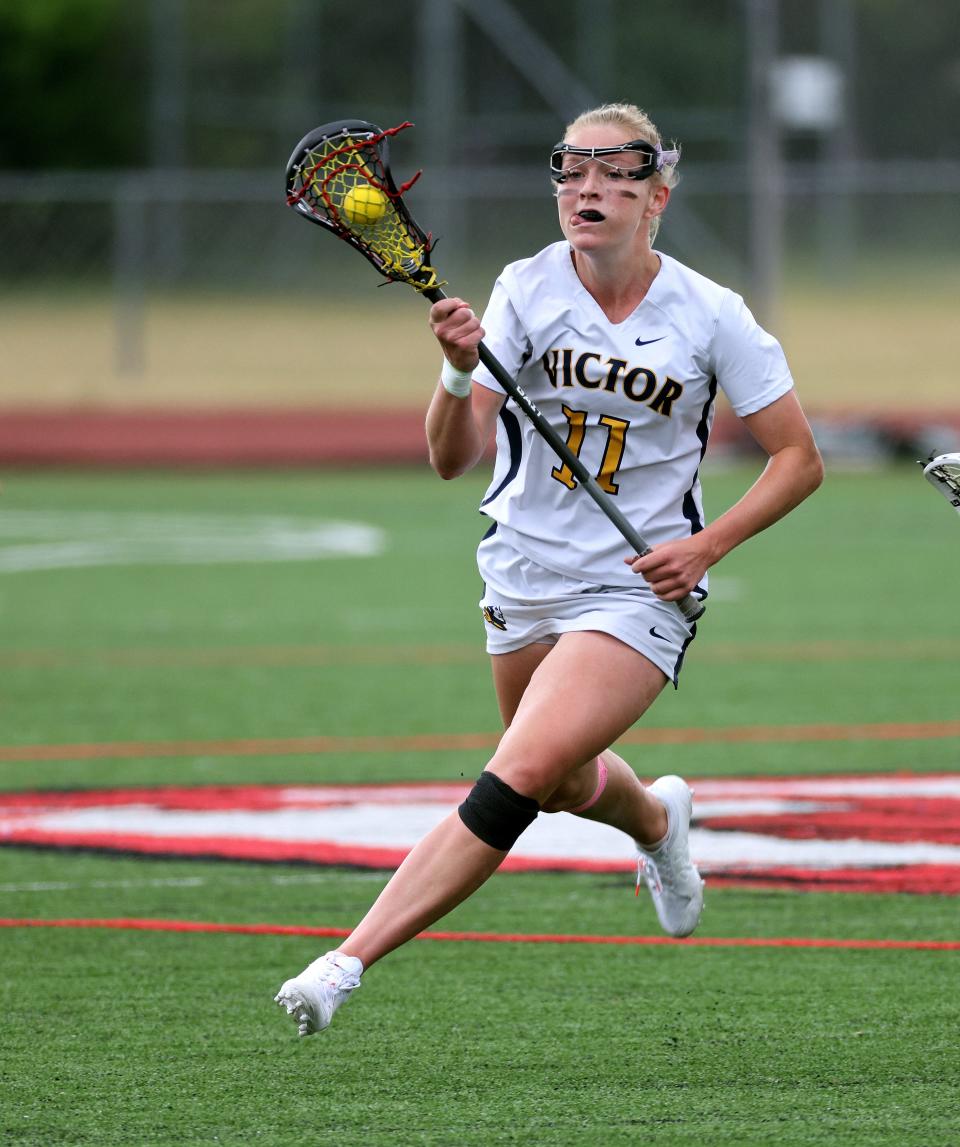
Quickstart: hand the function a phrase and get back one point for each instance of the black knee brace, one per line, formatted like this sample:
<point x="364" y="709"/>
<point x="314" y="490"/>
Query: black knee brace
<point x="497" y="814"/>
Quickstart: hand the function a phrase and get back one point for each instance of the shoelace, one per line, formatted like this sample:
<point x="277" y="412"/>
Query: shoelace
<point x="337" y="977"/>
<point x="672" y="867"/>
<point x="647" y="870"/>
<point x="340" y="979"/>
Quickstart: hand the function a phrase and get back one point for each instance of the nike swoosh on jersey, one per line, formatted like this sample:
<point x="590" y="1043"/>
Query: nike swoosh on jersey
<point x="659" y="636"/>
<point x="647" y="342"/>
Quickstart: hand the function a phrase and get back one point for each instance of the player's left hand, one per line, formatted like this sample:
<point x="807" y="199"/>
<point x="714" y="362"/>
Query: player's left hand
<point x="673" y="569"/>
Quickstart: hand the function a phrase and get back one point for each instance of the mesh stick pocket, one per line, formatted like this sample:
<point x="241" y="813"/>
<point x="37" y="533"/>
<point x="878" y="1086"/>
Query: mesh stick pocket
<point x="339" y="177"/>
<point x="943" y="473"/>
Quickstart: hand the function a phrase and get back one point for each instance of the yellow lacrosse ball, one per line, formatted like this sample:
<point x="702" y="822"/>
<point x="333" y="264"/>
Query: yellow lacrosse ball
<point x="364" y="204"/>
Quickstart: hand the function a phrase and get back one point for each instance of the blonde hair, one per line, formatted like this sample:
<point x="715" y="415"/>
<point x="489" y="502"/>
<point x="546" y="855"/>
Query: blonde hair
<point x="638" y="125"/>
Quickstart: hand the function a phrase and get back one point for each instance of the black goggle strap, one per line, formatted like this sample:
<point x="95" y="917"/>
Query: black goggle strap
<point x="657" y="158"/>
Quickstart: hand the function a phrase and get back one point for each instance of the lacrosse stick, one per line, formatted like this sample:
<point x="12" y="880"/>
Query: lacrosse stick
<point x="942" y="471"/>
<point x="339" y="178"/>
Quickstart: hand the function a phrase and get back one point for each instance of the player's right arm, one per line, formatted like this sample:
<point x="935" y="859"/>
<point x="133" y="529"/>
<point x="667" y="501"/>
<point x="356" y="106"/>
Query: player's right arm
<point x="458" y="429"/>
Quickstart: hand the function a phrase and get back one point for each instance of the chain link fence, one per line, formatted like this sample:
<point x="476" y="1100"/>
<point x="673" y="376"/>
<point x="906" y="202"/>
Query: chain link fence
<point x="187" y="278"/>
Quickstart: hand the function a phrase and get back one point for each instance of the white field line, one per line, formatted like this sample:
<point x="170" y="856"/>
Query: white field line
<point x="369" y="824"/>
<point x="53" y="539"/>
<point x="33" y="886"/>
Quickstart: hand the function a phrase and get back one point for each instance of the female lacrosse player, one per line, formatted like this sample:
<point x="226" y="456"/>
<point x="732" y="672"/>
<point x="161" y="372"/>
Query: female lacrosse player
<point x="622" y="349"/>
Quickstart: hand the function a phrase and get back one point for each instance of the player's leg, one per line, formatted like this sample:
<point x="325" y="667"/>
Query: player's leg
<point x="663" y="849"/>
<point x="402" y="909"/>
<point x="564" y="705"/>
<point x="583" y="694"/>
<point x="445" y="867"/>
<point x="604" y="788"/>
<point x="609" y="791"/>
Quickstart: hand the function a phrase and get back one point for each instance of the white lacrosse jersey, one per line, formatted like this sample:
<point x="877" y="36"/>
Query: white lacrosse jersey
<point x="634" y="400"/>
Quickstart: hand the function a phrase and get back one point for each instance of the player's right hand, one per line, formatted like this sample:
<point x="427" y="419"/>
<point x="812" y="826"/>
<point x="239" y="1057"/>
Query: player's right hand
<point x="458" y="331"/>
<point x="674" y="569"/>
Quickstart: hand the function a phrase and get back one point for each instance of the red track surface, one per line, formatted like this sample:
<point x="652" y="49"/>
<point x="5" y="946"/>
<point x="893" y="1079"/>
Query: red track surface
<point x="211" y="438"/>
<point x="265" y="437"/>
<point x="272" y="437"/>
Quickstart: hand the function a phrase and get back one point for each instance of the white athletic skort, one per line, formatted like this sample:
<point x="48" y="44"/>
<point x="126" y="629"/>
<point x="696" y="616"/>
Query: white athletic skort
<point x="523" y="602"/>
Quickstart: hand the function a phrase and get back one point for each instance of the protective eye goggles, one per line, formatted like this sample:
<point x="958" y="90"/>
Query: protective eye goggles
<point x="655" y="158"/>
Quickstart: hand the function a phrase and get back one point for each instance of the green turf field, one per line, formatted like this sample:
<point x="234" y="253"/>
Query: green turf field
<point x="839" y="617"/>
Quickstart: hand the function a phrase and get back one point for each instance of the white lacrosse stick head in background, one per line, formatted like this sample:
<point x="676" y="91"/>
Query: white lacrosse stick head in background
<point x="943" y="474"/>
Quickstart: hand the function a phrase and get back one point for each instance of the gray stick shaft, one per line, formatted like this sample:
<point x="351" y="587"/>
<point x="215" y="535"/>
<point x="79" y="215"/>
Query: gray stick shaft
<point x="689" y="606"/>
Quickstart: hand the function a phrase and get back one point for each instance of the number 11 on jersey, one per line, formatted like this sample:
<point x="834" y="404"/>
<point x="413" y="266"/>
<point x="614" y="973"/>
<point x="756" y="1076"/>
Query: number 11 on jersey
<point x="612" y="452"/>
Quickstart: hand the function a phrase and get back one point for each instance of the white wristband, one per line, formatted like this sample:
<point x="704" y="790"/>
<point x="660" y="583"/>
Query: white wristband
<point x="459" y="383"/>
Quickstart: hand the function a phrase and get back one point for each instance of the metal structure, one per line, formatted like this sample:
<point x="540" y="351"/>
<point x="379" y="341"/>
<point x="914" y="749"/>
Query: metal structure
<point x="156" y="227"/>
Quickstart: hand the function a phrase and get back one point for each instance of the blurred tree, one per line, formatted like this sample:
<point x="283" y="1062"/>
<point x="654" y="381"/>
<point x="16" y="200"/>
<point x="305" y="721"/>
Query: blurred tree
<point x="909" y="92"/>
<point x="76" y="75"/>
<point x="71" y="83"/>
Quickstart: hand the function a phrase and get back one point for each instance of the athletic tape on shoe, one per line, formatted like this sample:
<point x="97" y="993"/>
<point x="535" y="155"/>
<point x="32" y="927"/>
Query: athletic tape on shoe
<point x="496" y="813"/>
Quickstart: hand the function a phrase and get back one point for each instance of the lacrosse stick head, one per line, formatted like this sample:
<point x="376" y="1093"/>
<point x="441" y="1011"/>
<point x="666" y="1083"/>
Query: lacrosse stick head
<point x="942" y="471"/>
<point x="339" y="177"/>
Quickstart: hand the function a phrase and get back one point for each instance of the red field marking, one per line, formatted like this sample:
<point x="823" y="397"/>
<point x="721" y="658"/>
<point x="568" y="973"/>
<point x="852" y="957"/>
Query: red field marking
<point x="883" y="731"/>
<point x="452" y="742"/>
<point x="273" y="656"/>
<point x="257" y="747"/>
<point x="296" y="655"/>
<point x="890" y="833"/>
<point x="499" y="937"/>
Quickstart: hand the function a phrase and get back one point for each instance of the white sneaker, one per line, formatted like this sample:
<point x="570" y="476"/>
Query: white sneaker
<point x="313" y="996"/>
<point x="671" y="876"/>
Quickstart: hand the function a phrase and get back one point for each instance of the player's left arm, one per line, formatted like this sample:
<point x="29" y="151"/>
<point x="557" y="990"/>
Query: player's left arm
<point x="794" y="470"/>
